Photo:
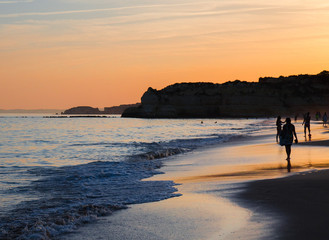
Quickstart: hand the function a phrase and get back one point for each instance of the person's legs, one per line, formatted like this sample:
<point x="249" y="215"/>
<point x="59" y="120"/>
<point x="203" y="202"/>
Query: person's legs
<point x="288" y="151"/>
<point x="288" y="165"/>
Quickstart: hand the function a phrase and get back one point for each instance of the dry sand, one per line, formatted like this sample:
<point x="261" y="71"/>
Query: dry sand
<point x="228" y="201"/>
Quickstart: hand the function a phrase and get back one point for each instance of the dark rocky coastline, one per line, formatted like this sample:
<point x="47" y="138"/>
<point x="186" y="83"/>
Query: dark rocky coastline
<point x="82" y="110"/>
<point x="90" y="110"/>
<point x="292" y="95"/>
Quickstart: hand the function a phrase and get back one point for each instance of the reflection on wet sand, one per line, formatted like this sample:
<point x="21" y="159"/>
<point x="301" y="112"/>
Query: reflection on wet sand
<point x="258" y="172"/>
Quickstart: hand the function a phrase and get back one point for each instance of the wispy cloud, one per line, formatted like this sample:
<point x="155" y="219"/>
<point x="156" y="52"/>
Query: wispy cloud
<point x="190" y="9"/>
<point x="162" y="26"/>
<point x="196" y="9"/>
<point x="11" y="15"/>
<point x="16" y="1"/>
<point x="146" y="16"/>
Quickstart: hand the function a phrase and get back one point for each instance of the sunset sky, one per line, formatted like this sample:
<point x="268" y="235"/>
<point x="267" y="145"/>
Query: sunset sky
<point x="65" y="53"/>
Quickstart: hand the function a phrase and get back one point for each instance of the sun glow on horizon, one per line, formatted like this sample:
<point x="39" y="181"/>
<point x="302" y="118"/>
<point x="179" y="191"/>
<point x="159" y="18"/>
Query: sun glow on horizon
<point x="59" y="54"/>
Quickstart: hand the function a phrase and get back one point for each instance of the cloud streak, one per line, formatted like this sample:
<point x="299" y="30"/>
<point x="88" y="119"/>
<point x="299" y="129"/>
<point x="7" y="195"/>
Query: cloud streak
<point x="16" y="1"/>
<point x="12" y="15"/>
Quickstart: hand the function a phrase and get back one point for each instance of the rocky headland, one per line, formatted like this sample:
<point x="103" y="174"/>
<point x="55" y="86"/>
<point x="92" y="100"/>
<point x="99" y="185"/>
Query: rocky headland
<point x="82" y="110"/>
<point x="107" y="110"/>
<point x="119" y="109"/>
<point x="288" y="96"/>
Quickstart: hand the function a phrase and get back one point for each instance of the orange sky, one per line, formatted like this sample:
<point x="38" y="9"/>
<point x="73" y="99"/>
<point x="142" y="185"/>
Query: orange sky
<point x="60" y="54"/>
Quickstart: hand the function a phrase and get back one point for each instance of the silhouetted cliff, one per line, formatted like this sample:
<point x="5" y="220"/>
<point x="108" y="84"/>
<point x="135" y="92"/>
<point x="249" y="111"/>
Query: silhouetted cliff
<point x="269" y="97"/>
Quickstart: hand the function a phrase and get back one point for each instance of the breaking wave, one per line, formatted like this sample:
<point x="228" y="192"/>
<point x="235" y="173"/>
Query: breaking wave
<point x="67" y="197"/>
<point x="56" y="174"/>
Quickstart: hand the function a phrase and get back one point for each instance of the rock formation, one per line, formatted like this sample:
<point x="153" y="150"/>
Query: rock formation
<point x="268" y="97"/>
<point x="119" y="109"/>
<point x="107" y="110"/>
<point x="82" y="110"/>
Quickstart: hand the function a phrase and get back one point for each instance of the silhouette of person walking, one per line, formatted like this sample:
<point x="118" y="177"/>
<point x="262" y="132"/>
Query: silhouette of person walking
<point x="286" y="138"/>
<point x="307" y="124"/>
<point x="325" y="119"/>
<point x="278" y="127"/>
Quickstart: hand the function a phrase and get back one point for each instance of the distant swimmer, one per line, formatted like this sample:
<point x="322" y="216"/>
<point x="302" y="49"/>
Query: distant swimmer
<point x="286" y="138"/>
<point x="307" y="124"/>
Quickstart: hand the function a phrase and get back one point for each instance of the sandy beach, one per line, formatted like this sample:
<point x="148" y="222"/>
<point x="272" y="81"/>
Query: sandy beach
<point x="258" y="200"/>
<point x="301" y="201"/>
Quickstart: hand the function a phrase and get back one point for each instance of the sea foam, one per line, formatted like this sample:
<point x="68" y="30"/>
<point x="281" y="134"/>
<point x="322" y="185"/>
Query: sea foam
<point x="69" y="196"/>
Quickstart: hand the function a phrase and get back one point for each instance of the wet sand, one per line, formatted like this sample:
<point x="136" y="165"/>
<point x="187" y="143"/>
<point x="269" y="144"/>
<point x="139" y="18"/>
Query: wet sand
<point x="301" y="201"/>
<point x="324" y="143"/>
<point x="232" y="201"/>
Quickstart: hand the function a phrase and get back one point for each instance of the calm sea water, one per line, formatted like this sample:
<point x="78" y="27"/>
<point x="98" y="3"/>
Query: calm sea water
<point x="57" y="173"/>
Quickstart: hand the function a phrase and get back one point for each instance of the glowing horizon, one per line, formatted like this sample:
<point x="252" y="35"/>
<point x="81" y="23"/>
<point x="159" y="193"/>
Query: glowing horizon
<point x="61" y="54"/>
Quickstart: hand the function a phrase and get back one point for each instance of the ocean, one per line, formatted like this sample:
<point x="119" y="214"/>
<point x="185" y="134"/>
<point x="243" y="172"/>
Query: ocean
<point x="59" y="173"/>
